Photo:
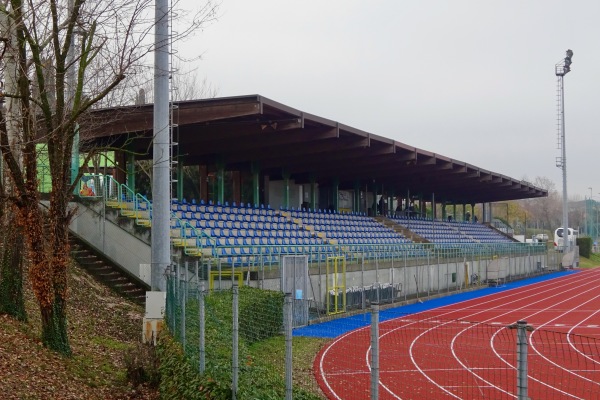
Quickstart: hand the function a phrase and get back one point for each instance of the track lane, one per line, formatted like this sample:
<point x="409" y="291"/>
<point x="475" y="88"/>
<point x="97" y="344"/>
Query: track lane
<point x="394" y="367"/>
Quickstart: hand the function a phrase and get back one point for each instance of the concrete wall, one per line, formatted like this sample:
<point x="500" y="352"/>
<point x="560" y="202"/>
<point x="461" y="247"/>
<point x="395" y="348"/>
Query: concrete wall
<point x="117" y="244"/>
<point x="276" y="194"/>
<point x="430" y="278"/>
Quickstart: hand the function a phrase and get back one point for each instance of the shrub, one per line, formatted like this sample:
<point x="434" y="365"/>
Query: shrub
<point x="142" y="365"/>
<point x="585" y="246"/>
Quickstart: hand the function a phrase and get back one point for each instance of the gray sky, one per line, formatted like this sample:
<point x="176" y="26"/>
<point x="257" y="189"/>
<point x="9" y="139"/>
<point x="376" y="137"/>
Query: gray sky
<point x="472" y="80"/>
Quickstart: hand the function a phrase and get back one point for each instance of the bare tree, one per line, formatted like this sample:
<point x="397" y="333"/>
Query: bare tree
<point x="12" y="249"/>
<point x="55" y="89"/>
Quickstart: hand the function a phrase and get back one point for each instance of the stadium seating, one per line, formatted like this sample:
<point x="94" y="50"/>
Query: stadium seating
<point x="455" y="232"/>
<point x="242" y="235"/>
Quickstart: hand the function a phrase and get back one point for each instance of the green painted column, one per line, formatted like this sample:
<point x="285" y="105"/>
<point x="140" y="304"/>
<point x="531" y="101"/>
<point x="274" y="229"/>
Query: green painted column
<point x="255" y="184"/>
<point x="131" y="171"/>
<point x="444" y="216"/>
<point x="180" y="180"/>
<point x="335" y="189"/>
<point x="454" y="212"/>
<point x="464" y="207"/>
<point x="221" y="183"/>
<point x="286" y="190"/>
<point x="356" y="197"/>
<point x="313" y="193"/>
<point x="374" y="205"/>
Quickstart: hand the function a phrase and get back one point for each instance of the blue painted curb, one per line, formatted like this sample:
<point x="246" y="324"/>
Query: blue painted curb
<point x="337" y="327"/>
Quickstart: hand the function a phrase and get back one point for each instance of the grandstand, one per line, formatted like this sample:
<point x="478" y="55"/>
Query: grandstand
<point x="311" y="189"/>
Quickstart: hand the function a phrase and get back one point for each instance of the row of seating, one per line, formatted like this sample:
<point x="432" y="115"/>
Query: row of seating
<point x="337" y="222"/>
<point x="328" y="215"/>
<point x="204" y="224"/>
<point x="213" y="226"/>
<point x="231" y="217"/>
<point x="439" y="231"/>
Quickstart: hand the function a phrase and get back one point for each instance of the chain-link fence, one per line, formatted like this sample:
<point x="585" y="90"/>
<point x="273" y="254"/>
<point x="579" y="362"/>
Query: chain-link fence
<point x="242" y="338"/>
<point x="345" y="278"/>
<point x="235" y="324"/>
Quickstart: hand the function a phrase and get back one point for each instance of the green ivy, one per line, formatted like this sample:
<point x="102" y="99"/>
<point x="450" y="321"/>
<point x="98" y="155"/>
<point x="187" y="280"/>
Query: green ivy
<point x="179" y="380"/>
<point x="260" y="320"/>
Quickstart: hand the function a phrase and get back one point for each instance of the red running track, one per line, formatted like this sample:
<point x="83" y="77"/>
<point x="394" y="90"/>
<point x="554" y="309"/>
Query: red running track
<point x="466" y="350"/>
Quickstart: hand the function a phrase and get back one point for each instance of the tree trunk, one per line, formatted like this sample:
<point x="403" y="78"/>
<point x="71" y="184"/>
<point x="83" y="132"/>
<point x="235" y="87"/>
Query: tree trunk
<point x="49" y="258"/>
<point x="54" y="326"/>
<point x="11" y="272"/>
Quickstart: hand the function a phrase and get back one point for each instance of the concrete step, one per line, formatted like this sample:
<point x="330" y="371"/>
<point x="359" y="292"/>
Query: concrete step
<point x="106" y="272"/>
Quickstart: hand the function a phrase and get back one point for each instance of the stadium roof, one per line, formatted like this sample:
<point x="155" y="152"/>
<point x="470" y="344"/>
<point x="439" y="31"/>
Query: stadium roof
<point x="240" y="131"/>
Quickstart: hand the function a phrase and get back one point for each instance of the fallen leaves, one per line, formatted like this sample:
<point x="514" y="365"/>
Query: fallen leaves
<point x="101" y="327"/>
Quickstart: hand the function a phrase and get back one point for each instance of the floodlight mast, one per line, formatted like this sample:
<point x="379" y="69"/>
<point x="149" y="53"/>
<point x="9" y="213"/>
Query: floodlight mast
<point x="161" y="158"/>
<point x="561" y="69"/>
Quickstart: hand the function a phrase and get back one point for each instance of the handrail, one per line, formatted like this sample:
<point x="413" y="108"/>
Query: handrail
<point x="140" y="215"/>
<point x="184" y="225"/>
<point x="112" y="190"/>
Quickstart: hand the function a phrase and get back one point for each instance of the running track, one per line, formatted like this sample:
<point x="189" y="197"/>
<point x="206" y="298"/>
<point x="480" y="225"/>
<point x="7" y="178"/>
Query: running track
<point x="476" y="359"/>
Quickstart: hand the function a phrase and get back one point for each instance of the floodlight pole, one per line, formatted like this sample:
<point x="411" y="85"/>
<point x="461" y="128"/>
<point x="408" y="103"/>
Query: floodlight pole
<point x="161" y="155"/>
<point x="561" y="69"/>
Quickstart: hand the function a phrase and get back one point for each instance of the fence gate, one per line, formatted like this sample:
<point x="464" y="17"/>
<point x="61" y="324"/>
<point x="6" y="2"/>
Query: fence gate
<point x="294" y="280"/>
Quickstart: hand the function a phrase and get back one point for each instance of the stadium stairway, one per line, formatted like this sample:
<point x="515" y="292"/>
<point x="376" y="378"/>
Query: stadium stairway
<point x="500" y="232"/>
<point x="107" y="272"/>
<point x="401" y="229"/>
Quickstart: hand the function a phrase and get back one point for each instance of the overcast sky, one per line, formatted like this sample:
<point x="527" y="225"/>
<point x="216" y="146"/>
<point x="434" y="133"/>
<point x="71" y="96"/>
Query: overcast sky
<point x="471" y="80"/>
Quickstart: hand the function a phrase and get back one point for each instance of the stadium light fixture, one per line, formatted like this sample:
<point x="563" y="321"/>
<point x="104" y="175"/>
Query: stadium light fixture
<point x="561" y="69"/>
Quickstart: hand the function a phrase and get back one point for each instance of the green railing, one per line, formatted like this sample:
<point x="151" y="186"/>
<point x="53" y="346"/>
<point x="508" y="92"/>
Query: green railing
<point x="194" y="241"/>
<point x="268" y="255"/>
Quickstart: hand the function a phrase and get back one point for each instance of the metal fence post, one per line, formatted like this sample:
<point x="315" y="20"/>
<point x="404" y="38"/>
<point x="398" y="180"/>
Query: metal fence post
<point x="178" y="301"/>
<point x="176" y="311"/>
<point x="522" y="360"/>
<point x="234" y="355"/>
<point x="363" y="301"/>
<point x="202" y="329"/>
<point x="287" y="326"/>
<point x="374" y="351"/>
<point x="404" y="283"/>
<point x="428" y="275"/>
<point x="392" y="276"/>
<point x="183" y="304"/>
